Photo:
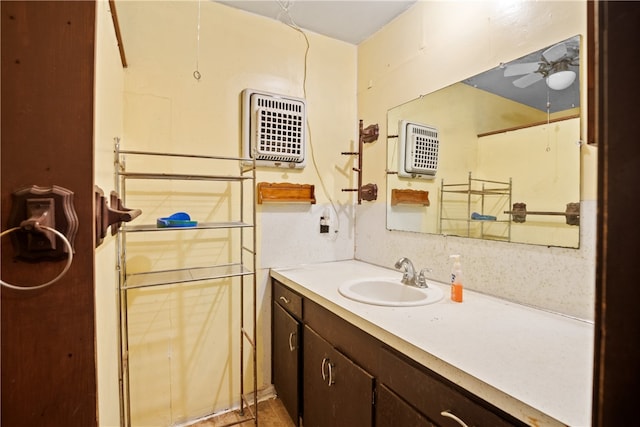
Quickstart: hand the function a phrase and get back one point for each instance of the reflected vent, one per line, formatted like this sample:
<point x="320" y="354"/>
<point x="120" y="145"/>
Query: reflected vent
<point x="418" y="156"/>
<point x="273" y="129"/>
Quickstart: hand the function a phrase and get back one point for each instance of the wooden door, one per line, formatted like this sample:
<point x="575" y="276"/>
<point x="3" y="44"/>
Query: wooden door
<point x="48" y="336"/>
<point x="617" y="342"/>
<point x="286" y="360"/>
<point x="336" y="391"/>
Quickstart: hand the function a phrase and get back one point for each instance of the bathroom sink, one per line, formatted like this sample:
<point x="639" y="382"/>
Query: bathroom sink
<point x="389" y="291"/>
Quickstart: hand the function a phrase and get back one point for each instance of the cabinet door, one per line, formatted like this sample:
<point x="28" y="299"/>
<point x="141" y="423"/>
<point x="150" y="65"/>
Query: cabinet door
<point x="286" y="360"/>
<point x="391" y="410"/>
<point x="337" y="392"/>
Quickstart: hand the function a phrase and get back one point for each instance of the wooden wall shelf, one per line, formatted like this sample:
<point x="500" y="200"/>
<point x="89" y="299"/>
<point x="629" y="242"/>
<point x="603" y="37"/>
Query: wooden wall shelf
<point x="411" y="197"/>
<point x="284" y="192"/>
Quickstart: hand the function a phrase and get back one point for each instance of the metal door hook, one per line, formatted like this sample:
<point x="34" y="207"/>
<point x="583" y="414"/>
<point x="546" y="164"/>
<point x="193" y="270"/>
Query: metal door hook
<point x="368" y="192"/>
<point x="113" y="216"/>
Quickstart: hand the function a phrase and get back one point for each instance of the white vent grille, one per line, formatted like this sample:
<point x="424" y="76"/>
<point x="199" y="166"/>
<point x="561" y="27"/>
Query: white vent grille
<point x="274" y="129"/>
<point x="418" y="156"/>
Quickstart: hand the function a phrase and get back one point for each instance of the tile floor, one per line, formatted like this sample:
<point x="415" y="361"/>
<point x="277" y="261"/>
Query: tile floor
<point x="271" y="413"/>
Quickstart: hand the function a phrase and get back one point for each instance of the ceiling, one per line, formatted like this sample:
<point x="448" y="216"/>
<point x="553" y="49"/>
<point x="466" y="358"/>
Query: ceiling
<point x="349" y="21"/>
<point x="537" y="95"/>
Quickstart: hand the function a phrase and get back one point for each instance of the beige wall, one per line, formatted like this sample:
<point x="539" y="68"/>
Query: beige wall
<point x="543" y="161"/>
<point x="431" y="46"/>
<point x="166" y="109"/>
<point x="184" y="349"/>
<point x="108" y="125"/>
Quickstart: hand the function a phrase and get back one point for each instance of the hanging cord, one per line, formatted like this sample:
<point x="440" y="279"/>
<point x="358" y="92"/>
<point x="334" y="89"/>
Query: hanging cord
<point x="285" y="5"/>
<point x="548" y="121"/>
<point x="196" y="73"/>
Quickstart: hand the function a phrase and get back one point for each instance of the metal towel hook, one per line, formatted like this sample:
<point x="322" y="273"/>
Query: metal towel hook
<point x="368" y="192"/>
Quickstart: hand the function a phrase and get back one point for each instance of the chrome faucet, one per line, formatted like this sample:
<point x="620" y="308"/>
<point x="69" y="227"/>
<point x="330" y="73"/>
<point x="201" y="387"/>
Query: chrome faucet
<point x="409" y="276"/>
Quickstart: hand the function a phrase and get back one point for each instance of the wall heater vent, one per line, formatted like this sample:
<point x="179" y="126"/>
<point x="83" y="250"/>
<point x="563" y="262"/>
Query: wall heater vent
<point x="273" y="129"/>
<point x="418" y="150"/>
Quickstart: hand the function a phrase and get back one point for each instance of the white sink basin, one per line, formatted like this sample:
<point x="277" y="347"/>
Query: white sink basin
<point x="389" y="292"/>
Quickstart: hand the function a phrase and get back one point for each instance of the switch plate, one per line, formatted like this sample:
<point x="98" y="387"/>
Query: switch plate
<point x="324" y="224"/>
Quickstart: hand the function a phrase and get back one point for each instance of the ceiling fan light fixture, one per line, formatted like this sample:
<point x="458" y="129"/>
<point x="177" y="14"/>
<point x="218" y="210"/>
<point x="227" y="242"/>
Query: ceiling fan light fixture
<point x="561" y="80"/>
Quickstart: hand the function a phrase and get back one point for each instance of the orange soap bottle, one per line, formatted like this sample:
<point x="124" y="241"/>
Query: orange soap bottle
<point x="456" y="279"/>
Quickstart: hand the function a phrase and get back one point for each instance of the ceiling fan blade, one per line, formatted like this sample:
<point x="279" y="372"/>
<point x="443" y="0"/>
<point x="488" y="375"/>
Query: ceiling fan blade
<point x="555" y="52"/>
<point x="520" y="69"/>
<point x="527" y="80"/>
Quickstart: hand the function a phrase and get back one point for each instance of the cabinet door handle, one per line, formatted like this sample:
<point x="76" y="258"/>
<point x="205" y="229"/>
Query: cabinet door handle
<point x="327" y="366"/>
<point x="449" y="414"/>
<point x="324" y="363"/>
<point x="283" y="299"/>
<point x="291" y="346"/>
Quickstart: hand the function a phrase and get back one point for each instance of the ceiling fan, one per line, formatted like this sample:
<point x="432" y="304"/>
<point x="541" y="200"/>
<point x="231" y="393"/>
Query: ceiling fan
<point x="553" y="66"/>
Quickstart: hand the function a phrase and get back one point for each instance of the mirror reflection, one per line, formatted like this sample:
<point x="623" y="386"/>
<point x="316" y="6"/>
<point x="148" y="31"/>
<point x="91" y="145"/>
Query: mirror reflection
<point x="496" y="156"/>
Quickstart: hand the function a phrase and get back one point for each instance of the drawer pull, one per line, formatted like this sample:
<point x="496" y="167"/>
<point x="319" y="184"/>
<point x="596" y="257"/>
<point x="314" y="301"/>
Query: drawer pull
<point x="327" y="366"/>
<point x="291" y="346"/>
<point x="448" y="414"/>
<point x="285" y="300"/>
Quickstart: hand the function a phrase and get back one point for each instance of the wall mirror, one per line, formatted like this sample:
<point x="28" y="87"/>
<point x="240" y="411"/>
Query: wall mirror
<point x="496" y="156"/>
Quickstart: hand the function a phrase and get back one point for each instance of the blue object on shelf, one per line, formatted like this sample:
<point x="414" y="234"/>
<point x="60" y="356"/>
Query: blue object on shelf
<point x="480" y="217"/>
<point x="178" y="219"/>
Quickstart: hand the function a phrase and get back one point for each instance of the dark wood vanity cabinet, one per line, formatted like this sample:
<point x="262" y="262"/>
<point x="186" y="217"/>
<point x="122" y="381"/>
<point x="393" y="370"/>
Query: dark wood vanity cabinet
<point x="342" y="376"/>
<point x="286" y="348"/>
<point x="336" y="391"/>
<point x="286" y="360"/>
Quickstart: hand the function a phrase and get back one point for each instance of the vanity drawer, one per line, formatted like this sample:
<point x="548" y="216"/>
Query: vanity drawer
<point x="432" y="395"/>
<point x="289" y="300"/>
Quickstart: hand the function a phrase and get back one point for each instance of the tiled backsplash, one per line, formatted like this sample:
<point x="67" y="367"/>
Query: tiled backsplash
<point x="290" y="235"/>
<point x="556" y="279"/>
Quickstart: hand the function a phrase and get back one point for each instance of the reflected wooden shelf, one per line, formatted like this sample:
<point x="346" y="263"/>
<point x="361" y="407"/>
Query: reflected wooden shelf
<point x="285" y="192"/>
<point x="411" y="197"/>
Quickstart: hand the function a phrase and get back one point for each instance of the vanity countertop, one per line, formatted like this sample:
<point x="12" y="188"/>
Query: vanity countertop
<point x="531" y="363"/>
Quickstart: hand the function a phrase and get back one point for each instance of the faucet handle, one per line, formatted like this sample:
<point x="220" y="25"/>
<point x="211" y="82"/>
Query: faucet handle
<point x="422" y="280"/>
